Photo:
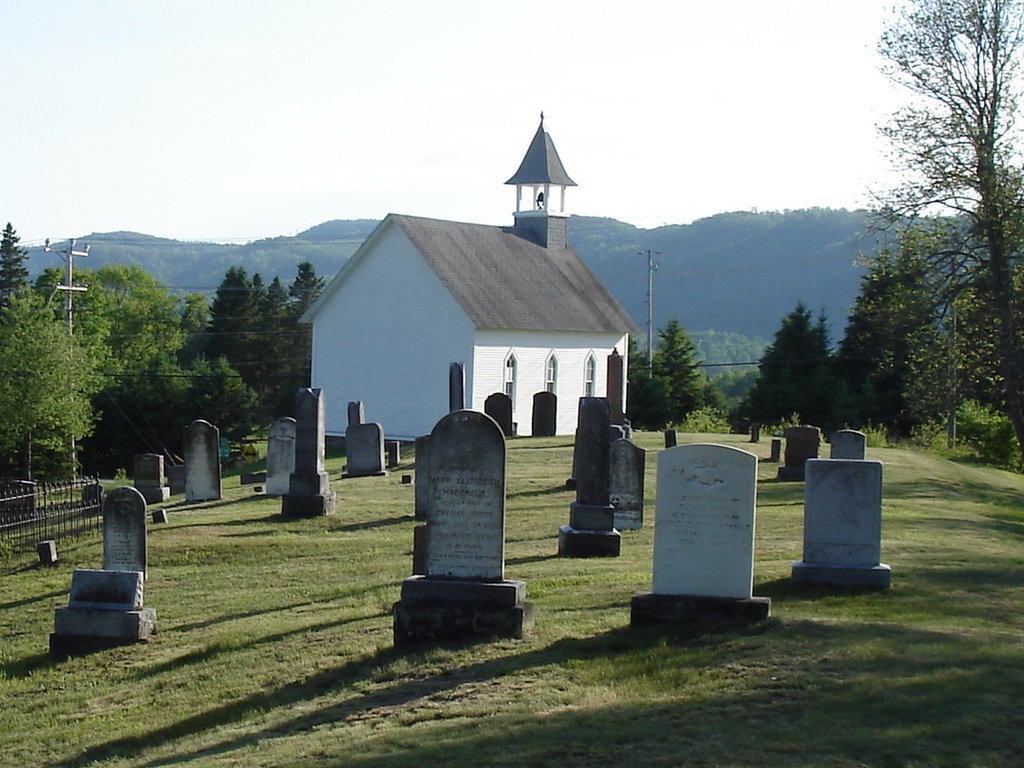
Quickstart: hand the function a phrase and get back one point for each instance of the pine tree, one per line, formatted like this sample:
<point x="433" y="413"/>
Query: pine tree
<point x="13" y="272"/>
<point x="675" y="361"/>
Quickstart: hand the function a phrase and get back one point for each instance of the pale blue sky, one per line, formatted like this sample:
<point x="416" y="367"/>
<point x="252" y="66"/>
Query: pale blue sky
<point x="239" y="119"/>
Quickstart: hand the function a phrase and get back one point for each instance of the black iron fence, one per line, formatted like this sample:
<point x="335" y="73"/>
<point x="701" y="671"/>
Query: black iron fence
<point x="32" y="512"/>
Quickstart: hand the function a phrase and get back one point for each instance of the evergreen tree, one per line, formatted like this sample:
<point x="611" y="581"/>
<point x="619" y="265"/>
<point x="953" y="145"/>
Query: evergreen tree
<point x="647" y="400"/>
<point x="676" y="363"/>
<point x="13" y="272"/>
<point x="233" y="320"/>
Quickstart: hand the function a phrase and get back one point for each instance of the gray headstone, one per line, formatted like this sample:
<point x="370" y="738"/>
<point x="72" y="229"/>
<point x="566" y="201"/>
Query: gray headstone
<point x="393" y="452"/>
<point x="545" y="414"/>
<point x="148" y="476"/>
<point x="626" y="489"/>
<point x="499" y="407"/>
<point x="755" y="432"/>
<point x="104" y="609"/>
<point x="47" y="552"/>
<point x="776" y="450"/>
<point x="202" y="461"/>
<point x="176" y="478"/>
<point x="670" y="438"/>
<point x="466" y="499"/>
<point x="615" y="379"/>
<point x="843" y="524"/>
<point x="124" y="530"/>
<point x="356" y="413"/>
<point x="280" y="455"/>
<point x="802" y="443"/>
<point x="106" y="590"/>
<point x="847" y="444"/>
<point x="456" y="387"/>
<point x="309" y="492"/>
<point x="364" y="450"/>
<point x="704" y="521"/>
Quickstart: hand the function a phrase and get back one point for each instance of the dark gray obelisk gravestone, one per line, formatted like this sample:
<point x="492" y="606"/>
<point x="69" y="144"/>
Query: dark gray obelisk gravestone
<point x="456" y="387"/>
<point x="591" y="529"/>
<point x="462" y="592"/>
<point x="148" y="476"/>
<point x="125" y="547"/>
<point x="545" y="414"/>
<point x="703" y="537"/>
<point x="309" y="493"/>
<point x="843" y="525"/>
<point x="280" y="455"/>
<point x="802" y="443"/>
<point x="847" y="444"/>
<point x="626" y="486"/>
<point x="202" y="461"/>
<point x="615" y="379"/>
<point x="499" y="407"/>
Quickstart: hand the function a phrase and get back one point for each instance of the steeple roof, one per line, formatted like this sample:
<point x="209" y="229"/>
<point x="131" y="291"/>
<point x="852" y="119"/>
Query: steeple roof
<point x="541" y="165"/>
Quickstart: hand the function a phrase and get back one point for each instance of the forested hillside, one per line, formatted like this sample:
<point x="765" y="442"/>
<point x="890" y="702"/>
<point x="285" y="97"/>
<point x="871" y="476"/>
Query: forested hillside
<point x="734" y="272"/>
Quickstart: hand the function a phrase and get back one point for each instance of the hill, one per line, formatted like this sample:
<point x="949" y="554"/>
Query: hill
<point x="732" y="273"/>
<point x="275" y="641"/>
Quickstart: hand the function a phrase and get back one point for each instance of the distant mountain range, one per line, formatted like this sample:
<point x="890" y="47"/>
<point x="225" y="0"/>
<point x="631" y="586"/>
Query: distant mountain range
<point x="734" y="273"/>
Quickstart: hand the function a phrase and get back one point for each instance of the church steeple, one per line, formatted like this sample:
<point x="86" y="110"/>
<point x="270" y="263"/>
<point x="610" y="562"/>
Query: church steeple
<point x="540" y="171"/>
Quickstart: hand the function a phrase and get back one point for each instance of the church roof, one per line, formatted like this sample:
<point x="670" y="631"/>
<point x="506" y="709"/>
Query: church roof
<point x="541" y="165"/>
<point x="503" y="281"/>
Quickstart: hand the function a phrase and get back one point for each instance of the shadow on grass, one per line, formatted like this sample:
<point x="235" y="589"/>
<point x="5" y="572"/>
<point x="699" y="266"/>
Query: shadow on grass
<point x="352" y="527"/>
<point x="33" y="599"/>
<point x="540" y="492"/>
<point x="27" y="666"/>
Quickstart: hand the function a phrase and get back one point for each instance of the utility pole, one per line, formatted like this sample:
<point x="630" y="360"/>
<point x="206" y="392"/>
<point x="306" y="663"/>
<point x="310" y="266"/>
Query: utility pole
<point x="652" y="265"/>
<point x="69" y="286"/>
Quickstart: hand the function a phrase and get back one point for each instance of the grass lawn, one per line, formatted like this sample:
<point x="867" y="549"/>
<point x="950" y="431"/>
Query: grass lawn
<point x="275" y="641"/>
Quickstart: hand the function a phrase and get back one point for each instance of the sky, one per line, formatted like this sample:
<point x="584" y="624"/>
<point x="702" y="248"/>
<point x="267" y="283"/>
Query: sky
<point x="234" y="120"/>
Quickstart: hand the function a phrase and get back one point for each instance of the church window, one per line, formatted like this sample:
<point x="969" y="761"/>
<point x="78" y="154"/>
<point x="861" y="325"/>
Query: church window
<point x="551" y="374"/>
<point x="589" y="376"/>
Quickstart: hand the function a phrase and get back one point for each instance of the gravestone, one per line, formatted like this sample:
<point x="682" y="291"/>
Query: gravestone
<point x="703" y="537"/>
<point x="356" y="412"/>
<point x="626" y="485"/>
<point x="591" y="529"/>
<point x="105" y="609"/>
<point x="776" y="450"/>
<point x="802" y="443"/>
<point x="176" y="478"/>
<point x="393" y="452"/>
<point x="614" y="381"/>
<point x="364" y="450"/>
<point x="670" y="438"/>
<point x="755" y="432"/>
<point x="309" y="493"/>
<point x="421" y="490"/>
<point x="47" y="552"/>
<point x="202" y="461"/>
<point x="847" y="444"/>
<point x="843" y="525"/>
<point x="124" y="531"/>
<point x="148" y="476"/>
<point x="280" y="455"/>
<point x="456" y="387"/>
<point x="544" y="421"/>
<point x="462" y="592"/>
<point x="499" y="407"/>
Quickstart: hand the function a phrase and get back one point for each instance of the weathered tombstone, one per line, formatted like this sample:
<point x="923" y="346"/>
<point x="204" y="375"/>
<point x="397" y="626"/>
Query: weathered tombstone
<point x="614" y="381"/>
<point x="776" y="454"/>
<point x="591" y="529"/>
<point x="47" y="552"/>
<point x="626" y="486"/>
<point x="463" y="592"/>
<point x="124" y="530"/>
<point x="105" y="609"/>
<point x="421" y="490"/>
<point x="843" y="525"/>
<point x="703" y="537"/>
<point x="356" y="412"/>
<point x="364" y="450"/>
<point x="309" y="493"/>
<point x="159" y="516"/>
<point x="456" y="387"/>
<point x="847" y="444"/>
<point x="393" y="453"/>
<point x="280" y="455"/>
<point x="176" y="478"/>
<point x="202" y="461"/>
<point x="148" y="476"/>
<point x="499" y="407"/>
<point x="670" y="438"/>
<point x="755" y="432"/>
<point x="802" y="443"/>
<point x="545" y="408"/>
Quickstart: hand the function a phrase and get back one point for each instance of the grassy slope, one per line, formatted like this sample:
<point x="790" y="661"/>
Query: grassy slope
<point x="275" y="643"/>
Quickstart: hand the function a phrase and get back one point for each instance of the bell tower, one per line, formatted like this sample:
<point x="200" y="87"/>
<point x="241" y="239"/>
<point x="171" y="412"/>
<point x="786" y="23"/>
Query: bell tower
<point x="540" y="174"/>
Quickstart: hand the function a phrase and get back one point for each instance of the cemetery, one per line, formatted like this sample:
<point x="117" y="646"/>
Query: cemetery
<point x="277" y="642"/>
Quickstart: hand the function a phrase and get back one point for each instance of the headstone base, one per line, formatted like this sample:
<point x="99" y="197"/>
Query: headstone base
<point x="628" y="520"/>
<point x="863" y="576"/>
<point x="357" y="473"/>
<point x="252" y="478"/>
<point x="649" y="608"/>
<point x="434" y="609"/>
<point x="83" y="630"/>
<point x="791" y="473"/>
<point x="313" y="505"/>
<point x="154" y="494"/>
<point x="576" y="542"/>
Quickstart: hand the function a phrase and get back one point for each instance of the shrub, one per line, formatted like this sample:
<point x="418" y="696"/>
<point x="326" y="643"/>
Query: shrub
<point x="705" y="419"/>
<point x="988" y="434"/>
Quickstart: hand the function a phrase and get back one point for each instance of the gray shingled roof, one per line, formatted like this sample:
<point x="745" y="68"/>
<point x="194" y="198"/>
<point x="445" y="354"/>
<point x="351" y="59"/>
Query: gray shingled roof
<point x="503" y="281"/>
<point x="541" y="165"/>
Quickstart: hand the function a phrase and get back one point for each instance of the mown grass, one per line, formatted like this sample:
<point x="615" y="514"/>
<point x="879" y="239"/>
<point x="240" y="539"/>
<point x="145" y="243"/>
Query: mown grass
<point x="275" y="644"/>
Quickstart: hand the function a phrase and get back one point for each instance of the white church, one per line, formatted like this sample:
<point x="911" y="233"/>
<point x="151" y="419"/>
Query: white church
<point x="516" y="306"/>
